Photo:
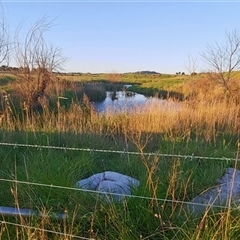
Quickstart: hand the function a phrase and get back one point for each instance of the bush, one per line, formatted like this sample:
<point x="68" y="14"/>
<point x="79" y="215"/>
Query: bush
<point x="95" y="92"/>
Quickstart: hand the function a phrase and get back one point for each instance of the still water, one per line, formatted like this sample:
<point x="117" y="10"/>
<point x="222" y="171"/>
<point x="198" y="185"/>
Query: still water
<point x="124" y="102"/>
<point x="121" y="102"/>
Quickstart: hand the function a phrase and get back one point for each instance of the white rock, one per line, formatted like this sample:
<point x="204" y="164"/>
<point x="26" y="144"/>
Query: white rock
<point x="107" y="182"/>
<point x="226" y="191"/>
<point x="118" y="177"/>
<point x="92" y="182"/>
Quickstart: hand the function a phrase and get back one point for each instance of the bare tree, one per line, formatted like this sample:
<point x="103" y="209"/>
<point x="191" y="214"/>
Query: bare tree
<point x="191" y="66"/>
<point x="223" y="60"/>
<point x="37" y="61"/>
<point x="4" y="39"/>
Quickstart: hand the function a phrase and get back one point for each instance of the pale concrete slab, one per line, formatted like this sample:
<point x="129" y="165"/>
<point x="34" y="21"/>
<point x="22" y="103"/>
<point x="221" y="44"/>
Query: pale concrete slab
<point x="112" y="185"/>
<point x="225" y="193"/>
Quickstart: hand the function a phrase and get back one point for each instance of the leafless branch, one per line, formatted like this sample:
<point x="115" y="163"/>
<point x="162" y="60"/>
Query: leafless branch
<point x="36" y="60"/>
<point x="4" y="39"/>
<point x="223" y="60"/>
<point x="191" y="65"/>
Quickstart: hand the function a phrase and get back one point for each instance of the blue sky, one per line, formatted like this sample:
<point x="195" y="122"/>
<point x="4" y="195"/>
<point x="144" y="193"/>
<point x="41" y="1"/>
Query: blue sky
<point x="127" y="36"/>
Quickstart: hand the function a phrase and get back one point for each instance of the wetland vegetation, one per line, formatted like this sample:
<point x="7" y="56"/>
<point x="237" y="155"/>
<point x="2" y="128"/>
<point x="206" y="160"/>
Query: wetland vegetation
<point x="51" y="137"/>
<point x="206" y="126"/>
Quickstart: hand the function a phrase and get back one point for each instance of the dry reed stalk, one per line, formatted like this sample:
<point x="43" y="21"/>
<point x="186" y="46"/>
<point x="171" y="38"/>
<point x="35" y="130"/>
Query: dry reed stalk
<point x="175" y="121"/>
<point x="204" y="119"/>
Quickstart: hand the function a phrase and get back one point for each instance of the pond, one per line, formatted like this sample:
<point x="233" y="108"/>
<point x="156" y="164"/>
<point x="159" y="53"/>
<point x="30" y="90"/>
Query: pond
<point x="124" y="100"/>
<point x="119" y="102"/>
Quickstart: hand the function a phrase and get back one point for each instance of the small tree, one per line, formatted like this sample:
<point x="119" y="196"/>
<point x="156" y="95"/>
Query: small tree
<point x="4" y="39"/>
<point x="191" y="66"/>
<point x="4" y="57"/>
<point x="36" y="62"/>
<point x="223" y="60"/>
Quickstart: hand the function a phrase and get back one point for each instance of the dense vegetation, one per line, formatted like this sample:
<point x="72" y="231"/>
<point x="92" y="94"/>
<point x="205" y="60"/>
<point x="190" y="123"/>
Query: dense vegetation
<point x="51" y="137"/>
<point x="206" y="125"/>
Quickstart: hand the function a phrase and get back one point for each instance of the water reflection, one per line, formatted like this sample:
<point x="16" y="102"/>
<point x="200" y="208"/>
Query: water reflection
<point x="120" y="103"/>
<point x="125" y="102"/>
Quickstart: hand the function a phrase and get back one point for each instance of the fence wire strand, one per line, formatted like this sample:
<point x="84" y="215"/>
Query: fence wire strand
<point x="92" y="150"/>
<point x="116" y="194"/>
<point x="15" y="145"/>
<point x="45" y="230"/>
<point x="191" y="157"/>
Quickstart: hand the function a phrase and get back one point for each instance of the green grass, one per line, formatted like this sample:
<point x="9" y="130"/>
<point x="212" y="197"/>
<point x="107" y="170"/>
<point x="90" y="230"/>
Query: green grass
<point x="161" y="82"/>
<point x="89" y="216"/>
<point x="210" y="130"/>
<point x="148" y="84"/>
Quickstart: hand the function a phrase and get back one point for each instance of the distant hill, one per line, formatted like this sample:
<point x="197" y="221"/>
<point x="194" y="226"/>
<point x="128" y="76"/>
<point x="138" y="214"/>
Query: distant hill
<point x="147" y="72"/>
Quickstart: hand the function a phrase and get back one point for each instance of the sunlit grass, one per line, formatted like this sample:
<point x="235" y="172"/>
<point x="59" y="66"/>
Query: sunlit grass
<point x="196" y="127"/>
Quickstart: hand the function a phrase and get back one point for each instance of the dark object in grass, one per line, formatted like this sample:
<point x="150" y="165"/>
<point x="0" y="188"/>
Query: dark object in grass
<point x="11" y="211"/>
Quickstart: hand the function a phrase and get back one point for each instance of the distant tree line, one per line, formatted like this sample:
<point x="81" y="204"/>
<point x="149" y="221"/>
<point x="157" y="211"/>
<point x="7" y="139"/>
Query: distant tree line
<point x="180" y="73"/>
<point x="147" y="72"/>
<point x="5" y="68"/>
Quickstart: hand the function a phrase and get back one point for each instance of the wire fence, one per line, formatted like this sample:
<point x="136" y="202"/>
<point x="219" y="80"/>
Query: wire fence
<point x="115" y="194"/>
<point x="164" y="200"/>
<point x="92" y="150"/>
<point x="65" y="235"/>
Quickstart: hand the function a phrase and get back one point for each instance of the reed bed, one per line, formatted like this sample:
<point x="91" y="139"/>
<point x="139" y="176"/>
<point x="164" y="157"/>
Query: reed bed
<point x="199" y="127"/>
<point x="183" y="120"/>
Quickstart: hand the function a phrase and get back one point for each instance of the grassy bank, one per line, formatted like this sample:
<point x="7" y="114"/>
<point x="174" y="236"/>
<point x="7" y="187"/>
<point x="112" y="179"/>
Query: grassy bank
<point x="147" y="84"/>
<point x="43" y="178"/>
<point x="151" y="214"/>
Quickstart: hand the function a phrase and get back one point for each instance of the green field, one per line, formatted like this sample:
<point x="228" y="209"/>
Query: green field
<point x="79" y="142"/>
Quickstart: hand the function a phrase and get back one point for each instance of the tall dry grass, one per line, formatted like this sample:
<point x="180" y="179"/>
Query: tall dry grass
<point x="206" y="114"/>
<point x="199" y="118"/>
<point x="174" y="120"/>
<point x="180" y="120"/>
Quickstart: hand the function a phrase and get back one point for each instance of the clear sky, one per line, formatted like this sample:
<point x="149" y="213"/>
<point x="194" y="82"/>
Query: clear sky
<point x="127" y="36"/>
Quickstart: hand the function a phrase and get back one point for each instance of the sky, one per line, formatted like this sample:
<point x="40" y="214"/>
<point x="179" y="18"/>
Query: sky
<point x="128" y="36"/>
